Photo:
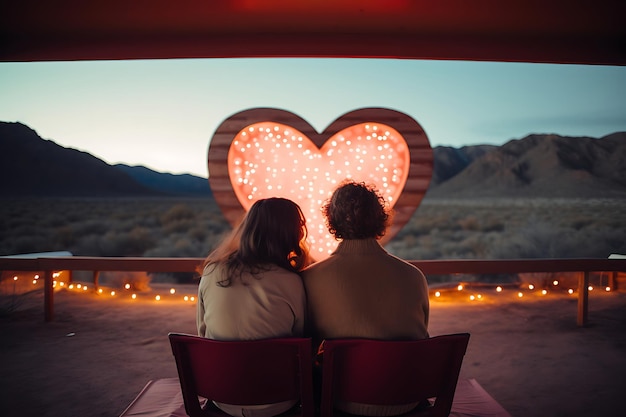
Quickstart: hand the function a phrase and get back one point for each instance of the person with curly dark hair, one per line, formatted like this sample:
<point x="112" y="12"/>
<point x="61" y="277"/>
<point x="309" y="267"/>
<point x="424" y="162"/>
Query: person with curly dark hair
<point x="361" y="290"/>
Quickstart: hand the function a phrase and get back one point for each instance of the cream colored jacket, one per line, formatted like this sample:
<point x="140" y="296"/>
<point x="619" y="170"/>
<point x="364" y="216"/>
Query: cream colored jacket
<point x="361" y="290"/>
<point x="267" y="305"/>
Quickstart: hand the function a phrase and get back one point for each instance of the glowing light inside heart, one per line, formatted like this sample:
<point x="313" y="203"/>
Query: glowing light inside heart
<point x="270" y="159"/>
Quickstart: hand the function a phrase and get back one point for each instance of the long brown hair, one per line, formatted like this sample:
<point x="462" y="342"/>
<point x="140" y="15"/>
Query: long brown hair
<point x="272" y="232"/>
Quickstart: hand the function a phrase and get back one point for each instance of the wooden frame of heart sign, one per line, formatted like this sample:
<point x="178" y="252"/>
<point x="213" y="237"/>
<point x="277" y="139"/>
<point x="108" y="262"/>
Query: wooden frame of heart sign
<point x="267" y="152"/>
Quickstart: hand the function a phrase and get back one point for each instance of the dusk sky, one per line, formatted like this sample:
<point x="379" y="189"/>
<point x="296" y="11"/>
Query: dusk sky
<point x="163" y="113"/>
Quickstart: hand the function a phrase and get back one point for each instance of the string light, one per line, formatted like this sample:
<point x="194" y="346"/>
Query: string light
<point x="270" y="159"/>
<point x="438" y="294"/>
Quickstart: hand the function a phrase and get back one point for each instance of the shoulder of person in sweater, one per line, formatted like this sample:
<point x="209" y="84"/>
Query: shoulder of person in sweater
<point x="407" y="264"/>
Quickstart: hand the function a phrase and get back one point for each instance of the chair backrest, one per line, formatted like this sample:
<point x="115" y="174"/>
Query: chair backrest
<point x="381" y="372"/>
<point x="243" y="372"/>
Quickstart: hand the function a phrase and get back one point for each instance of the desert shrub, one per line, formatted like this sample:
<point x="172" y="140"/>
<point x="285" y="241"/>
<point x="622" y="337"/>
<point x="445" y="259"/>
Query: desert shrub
<point x="176" y="213"/>
<point x="91" y="226"/>
<point x="177" y="246"/>
<point x="31" y="244"/>
<point x="179" y="226"/>
<point x="87" y="246"/>
<point x="198" y="232"/>
<point x="132" y="243"/>
<point x="469" y="223"/>
<point x="54" y="220"/>
<point x="492" y="225"/>
<point x="581" y="223"/>
<point x="116" y="243"/>
<point x="64" y="236"/>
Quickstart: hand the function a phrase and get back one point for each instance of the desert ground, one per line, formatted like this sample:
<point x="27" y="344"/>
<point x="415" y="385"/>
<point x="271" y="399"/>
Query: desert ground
<point x="100" y="350"/>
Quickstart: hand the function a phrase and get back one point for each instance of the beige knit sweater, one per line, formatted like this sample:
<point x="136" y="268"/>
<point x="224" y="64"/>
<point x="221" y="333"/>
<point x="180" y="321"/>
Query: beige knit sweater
<point x="361" y="290"/>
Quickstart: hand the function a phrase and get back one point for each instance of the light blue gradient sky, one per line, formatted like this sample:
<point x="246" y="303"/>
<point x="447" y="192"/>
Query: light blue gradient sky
<point x="162" y="113"/>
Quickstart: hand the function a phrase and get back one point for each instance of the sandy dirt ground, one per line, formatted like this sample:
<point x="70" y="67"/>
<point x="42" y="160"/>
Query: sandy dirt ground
<point x="100" y="350"/>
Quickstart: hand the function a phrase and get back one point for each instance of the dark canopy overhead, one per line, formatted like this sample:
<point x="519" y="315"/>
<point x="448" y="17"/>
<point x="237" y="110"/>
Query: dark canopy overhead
<point x="560" y="31"/>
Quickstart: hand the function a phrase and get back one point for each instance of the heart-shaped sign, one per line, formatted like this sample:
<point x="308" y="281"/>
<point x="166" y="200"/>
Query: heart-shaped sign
<point x="261" y="153"/>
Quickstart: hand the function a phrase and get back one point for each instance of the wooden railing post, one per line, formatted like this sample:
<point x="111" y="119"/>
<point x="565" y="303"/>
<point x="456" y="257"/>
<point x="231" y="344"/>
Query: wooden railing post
<point x="48" y="296"/>
<point x="96" y="275"/>
<point x="613" y="280"/>
<point x="583" y="298"/>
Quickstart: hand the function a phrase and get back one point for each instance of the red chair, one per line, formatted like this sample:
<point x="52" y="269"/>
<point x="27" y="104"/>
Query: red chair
<point x="243" y="372"/>
<point x="388" y="373"/>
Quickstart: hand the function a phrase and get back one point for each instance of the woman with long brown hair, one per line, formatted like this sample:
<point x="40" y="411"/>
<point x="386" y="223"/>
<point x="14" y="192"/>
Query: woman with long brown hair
<point x="251" y="287"/>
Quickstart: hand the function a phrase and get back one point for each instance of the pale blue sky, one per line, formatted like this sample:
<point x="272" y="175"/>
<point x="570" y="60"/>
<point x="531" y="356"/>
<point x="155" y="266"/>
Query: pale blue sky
<point x="162" y="113"/>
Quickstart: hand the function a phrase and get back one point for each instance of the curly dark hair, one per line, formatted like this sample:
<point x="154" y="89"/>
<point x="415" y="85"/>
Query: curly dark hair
<point x="356" y="211"/>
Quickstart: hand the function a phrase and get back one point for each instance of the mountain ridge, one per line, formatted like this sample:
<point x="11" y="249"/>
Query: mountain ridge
<point x="544" y="166"/>
<point x="33" y="166"/>
<point x="536" y="166"/>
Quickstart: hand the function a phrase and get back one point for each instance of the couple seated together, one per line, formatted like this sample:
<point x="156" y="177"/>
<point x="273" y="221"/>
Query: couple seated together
<point x="259" y="283"/>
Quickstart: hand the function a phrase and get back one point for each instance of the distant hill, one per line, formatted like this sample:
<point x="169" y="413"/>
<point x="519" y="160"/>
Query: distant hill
<point x="543" y="166"/>
<point x="535" y="166"/>
<point x="32" y="166"/>
<point x="451" y="161"/>
<point x="182" y="185"/>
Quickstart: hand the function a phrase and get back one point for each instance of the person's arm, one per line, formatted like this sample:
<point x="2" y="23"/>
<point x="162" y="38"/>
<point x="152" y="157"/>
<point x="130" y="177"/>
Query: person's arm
<point x="200" y="324"/>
